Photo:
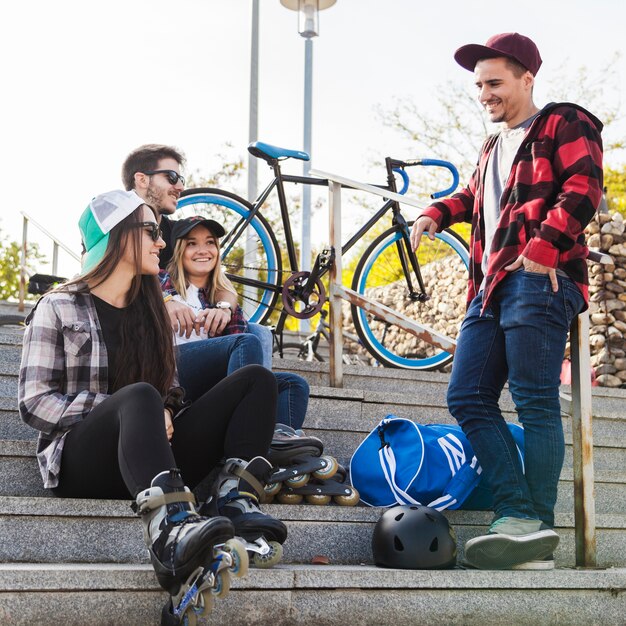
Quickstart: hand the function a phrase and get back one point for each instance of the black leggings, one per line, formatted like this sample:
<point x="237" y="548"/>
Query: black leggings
<point x="122" y="445"/>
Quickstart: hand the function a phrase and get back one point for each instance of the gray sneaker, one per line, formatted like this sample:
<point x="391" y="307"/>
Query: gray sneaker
<point x="544" y="564"/>
<point x="511" y="541"/>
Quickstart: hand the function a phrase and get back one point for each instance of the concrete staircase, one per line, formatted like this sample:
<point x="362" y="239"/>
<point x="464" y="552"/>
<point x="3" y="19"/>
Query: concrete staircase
<point x="83" y="561"/>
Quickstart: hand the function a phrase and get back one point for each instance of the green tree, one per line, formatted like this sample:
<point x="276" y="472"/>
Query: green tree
<point x="615" y="182"/>
<point x="10" y="259"/>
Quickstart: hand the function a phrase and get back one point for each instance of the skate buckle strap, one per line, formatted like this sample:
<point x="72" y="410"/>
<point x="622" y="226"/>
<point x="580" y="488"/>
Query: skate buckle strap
<point x="252" y="481"/>
<point x="154" y="502"/>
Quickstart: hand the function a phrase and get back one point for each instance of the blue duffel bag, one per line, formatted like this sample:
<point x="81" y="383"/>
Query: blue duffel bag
<point x="401" y="462"/>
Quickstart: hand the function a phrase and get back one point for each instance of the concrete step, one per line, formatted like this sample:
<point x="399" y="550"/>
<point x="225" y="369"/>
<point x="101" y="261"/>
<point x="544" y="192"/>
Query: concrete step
<point x="362" y="409"/>
<point x="108" y="531"/>
<point x="19" y="472"/>
<point x="420" y="388"/>
<point x="125" y="595"/>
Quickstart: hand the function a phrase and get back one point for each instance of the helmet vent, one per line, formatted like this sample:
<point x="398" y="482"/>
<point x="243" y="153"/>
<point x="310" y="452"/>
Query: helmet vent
<point x="399" y="517"/>
<point x="397" y="544"/>
<point x="434" y="545"/>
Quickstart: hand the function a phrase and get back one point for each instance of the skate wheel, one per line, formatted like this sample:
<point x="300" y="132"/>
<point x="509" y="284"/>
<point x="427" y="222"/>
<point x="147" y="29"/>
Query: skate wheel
<point x="271" y="558"/>
<point x="239" y="554"/>
<point x="348" y="500"/>
<point x="316" y="498"/>
<point x="204" y="604"/>
<point x="272" y="489"/>
<point x="329" y="471"/>
<point x="222" y="584"/>
<point x="298" y="481"/>
<point x="189" y="618"/>
<point x="286" y="497"/>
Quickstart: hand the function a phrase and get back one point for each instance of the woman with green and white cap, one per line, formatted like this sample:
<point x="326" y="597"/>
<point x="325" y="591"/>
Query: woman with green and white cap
<point x="98" y="381"/>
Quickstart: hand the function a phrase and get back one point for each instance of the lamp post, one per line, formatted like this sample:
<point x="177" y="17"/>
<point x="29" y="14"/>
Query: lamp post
<point x="308" y="27"/>
<point x="253" y="129"/>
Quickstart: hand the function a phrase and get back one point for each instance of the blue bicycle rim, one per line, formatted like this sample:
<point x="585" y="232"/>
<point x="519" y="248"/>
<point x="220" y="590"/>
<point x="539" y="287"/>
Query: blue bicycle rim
<point x="208" y="198"/>
<point x="400" y="361"/>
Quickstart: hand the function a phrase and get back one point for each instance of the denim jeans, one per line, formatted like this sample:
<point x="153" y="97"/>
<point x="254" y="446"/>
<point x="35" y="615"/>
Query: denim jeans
<point x="293" y="399"/>
<point x="266" y="337"/>
<point x="521" y="337"/>
<point x="202" y="364"/>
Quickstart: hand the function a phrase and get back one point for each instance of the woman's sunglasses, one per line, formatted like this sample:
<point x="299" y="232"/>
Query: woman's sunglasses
<point x="172" y="176"/>
<point x="152" y="228"/>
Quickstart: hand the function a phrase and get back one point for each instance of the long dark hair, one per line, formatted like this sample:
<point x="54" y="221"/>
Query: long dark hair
<point x="146" y="349"/>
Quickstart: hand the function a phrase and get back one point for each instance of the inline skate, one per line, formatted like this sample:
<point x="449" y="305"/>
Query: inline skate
<point x="192" y="556"/>
<point x="319" y="492"/>
<point x="236" y="494"/>
<point x="297" y="459"/>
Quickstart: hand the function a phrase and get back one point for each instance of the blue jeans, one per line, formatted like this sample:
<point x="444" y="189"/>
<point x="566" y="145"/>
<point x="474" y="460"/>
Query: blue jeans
<point x="520" y="337"/>
<point x="266" y="337"/>
<point x="293" y="399"/>
<point x="202" y="364"/>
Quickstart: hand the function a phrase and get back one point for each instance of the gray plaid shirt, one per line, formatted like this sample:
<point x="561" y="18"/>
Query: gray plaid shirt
<point x="63" y="374"/>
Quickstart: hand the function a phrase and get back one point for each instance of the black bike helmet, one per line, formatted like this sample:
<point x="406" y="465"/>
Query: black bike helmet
<point x="414" y="537"/>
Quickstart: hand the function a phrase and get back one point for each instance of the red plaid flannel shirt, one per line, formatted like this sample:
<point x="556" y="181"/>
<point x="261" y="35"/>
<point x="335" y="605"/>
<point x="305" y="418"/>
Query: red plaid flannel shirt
<point x="553" y="191"/>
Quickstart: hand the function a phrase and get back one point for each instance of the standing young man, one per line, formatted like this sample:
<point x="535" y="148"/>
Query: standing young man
<point x="537" y="185"/>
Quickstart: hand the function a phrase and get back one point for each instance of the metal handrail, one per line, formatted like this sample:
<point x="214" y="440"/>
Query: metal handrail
<point x="579" y="405"/>
<point x="55" y="253"/>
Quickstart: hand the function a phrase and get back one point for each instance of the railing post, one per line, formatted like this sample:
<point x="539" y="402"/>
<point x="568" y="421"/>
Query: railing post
<point x="336" y="326"/>
<point x="22" y="289"/>
<point x="582" y="441"/>
<point x="55" y="257"/>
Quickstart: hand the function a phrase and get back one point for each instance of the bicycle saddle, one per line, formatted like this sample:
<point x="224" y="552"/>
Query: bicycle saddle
<point x="265" y="151"/>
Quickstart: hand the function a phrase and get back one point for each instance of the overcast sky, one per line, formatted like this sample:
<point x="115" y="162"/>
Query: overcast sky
<point x="86" y="82"/>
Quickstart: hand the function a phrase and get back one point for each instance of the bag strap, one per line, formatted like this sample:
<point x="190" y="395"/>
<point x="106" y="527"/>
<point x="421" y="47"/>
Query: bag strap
<point x="388" y="464"/>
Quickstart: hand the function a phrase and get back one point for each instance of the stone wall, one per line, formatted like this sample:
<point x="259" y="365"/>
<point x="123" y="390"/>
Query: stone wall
<point x="607" y="307"/>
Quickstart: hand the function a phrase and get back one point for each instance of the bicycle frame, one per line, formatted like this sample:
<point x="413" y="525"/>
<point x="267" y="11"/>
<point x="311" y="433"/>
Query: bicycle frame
<point x="269" y="272"/>
<point x="406" y="255"/>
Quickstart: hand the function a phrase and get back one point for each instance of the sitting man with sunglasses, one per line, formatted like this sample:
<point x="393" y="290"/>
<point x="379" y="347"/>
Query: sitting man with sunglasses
<point x="153" y="172"/>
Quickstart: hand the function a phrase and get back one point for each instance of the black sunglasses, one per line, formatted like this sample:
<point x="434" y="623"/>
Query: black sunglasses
<point x="152" y="228"/>
<point x="172" y="176"/>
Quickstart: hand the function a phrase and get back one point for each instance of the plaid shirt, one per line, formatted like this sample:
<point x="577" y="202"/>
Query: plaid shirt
<point x="64" y="372"/>
<point x="553" y="191"/>
<point x="235" y="326"/>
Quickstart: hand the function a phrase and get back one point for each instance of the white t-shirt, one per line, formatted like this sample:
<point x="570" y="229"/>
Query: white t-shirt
<point x="496" y="176"/>
<point x="193" y="300"/>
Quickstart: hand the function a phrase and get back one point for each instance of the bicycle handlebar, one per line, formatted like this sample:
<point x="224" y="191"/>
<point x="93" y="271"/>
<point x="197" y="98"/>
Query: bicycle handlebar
<point x="405" y="179"/>
<point x="429" y="163"/>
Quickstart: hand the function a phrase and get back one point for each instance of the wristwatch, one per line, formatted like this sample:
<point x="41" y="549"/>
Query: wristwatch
<point x="222" y="305"/>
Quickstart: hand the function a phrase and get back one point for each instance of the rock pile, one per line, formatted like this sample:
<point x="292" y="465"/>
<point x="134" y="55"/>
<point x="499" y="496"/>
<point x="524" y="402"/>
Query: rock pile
<point x="607" y="306"/>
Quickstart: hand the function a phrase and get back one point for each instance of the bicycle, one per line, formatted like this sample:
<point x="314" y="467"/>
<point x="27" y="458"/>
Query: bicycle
<point x="388" y="270"/>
